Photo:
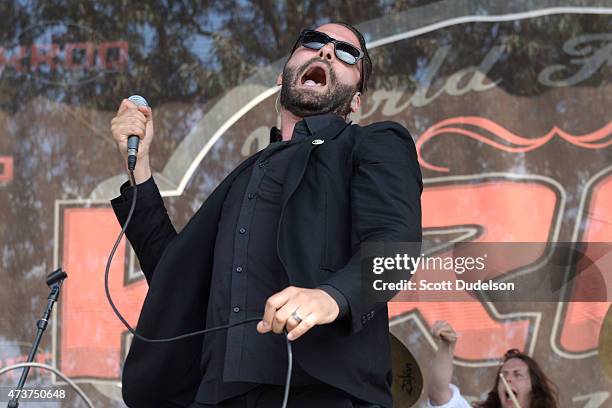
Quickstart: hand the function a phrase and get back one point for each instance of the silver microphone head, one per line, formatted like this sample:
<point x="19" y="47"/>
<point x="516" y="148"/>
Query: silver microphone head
<point x="138" y="100"/>
<point x="132" y="142"/>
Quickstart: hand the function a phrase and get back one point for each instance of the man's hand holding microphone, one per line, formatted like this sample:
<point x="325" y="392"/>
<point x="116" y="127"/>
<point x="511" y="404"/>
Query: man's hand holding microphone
<point x="134" y="118"/>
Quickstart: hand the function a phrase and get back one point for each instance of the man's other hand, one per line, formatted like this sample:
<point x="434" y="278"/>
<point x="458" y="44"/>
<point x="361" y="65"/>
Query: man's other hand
<point x="312" y="306"/>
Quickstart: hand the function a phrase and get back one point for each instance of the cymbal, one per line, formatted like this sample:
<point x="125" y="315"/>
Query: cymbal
<point x="605" y="344"/>
<point x="407" y="377"/>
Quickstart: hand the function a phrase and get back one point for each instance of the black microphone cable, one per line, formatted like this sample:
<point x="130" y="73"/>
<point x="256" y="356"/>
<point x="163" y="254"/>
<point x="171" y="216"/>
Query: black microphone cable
<point x="186" y="335"/>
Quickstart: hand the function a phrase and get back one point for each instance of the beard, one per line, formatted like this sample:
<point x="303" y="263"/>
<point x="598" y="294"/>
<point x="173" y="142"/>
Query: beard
<point x="305" y="102"/>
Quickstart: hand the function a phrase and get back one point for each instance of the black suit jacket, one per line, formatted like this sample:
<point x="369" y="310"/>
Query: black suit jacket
<point x="362" y="184"/>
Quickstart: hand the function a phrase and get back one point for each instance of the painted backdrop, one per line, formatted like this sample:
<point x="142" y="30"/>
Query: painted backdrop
<point x="509" y="104"/>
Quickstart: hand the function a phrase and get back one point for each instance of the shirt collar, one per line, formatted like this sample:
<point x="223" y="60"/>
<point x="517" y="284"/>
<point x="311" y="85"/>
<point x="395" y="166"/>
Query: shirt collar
<point x="307" y="126"/>
<point x="317" y="123"/>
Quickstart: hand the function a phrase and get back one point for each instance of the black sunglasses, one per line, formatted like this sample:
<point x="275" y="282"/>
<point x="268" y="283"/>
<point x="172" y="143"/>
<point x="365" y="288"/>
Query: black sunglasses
<point x="345" y="52"/>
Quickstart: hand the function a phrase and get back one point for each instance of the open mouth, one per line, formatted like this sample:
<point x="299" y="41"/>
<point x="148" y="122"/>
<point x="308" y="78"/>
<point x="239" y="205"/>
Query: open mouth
<point x="508" y="394"/>
<point x="314" y="76"/>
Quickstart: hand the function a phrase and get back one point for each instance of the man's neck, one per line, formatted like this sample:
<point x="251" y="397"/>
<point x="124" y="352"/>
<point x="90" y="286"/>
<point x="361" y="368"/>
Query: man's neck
<point x="288" y="121"/>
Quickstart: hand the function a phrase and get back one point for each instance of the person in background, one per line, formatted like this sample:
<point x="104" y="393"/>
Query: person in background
<point x="529" y="384"/>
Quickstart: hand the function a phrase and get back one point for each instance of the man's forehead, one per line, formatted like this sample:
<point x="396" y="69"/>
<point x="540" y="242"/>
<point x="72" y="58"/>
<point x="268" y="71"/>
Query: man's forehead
<point x="339" y="32"/>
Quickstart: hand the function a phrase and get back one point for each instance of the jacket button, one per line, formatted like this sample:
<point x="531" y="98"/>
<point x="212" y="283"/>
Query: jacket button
<point x="236" y="309"/>
<point x="251" y="196"/>
<point x="242" y="230"/>
<point x="239" y="269"/>
<point x="262" y="165"/>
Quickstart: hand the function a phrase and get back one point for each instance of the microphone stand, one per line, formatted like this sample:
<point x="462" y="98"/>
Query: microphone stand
<point x="54" y="281"/>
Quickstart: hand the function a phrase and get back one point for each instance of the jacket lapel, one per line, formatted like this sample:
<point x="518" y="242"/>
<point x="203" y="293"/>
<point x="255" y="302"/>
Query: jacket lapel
<point x="296" y="170"/>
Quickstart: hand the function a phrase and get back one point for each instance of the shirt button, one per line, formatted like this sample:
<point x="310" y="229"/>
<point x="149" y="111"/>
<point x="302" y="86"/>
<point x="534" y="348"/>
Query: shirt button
<point x="239" y="269"/>
<point x="251" y="196"/>
<point x="242" y="230"/>
<point x="236" y="309"/>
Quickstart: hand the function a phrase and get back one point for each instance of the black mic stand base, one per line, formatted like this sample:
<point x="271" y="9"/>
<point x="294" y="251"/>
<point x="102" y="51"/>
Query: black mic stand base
<point x="54" y="281"/>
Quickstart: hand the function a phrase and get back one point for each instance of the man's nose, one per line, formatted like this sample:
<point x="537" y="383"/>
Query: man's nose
<point x="327" y="52"/>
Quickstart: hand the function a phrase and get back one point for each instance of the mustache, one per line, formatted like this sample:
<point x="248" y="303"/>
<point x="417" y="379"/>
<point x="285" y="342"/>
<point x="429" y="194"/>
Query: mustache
<point x="302" y="69"/>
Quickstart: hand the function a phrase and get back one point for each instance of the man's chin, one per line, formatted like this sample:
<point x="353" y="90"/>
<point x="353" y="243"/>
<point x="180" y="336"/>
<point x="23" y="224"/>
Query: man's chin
<point x="303" y="111"/>
<point x="309" y="100"/>
<point x="308" y="104"/>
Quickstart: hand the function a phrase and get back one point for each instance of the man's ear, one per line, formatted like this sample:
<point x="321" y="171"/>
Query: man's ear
<point x="356" y="102"/>
<point x="279" y="79"/>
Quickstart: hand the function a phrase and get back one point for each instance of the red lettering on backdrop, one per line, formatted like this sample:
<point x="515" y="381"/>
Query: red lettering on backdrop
<point x="49" y="54"/>
<point x="91" y="335"/>
<point x="583" y="320"/>
<point x="14" y="60"/>
<point x="91" y="339"/>
<point x="86" y="63"/>
<point x="117" y="64"/>
<point x="6" y="169"/>
<point x="43" y="54"/>
<point x="507" y="212"/>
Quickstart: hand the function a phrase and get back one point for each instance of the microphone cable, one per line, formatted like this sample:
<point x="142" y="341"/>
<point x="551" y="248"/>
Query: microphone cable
<point x="54" y="370"/>
<point x="186" y="335"/>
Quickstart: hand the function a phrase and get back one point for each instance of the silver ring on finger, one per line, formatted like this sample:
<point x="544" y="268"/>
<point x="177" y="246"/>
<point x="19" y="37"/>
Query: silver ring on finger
<point x="296" y="316"/>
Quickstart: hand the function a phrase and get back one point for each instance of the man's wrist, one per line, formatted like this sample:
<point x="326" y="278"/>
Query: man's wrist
<point x="338" y="297"/>
<point x="142" y="171"/>
<point x="448" y="345"/>
<point x="146" y="189"/>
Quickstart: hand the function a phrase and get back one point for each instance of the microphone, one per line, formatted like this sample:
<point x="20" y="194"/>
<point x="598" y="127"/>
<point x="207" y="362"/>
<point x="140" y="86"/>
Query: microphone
<point x="56" y="276"/>
<point x="132" y="144"/>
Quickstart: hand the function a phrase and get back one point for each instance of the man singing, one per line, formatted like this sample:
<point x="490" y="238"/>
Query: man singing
<point x="280" y="237"/>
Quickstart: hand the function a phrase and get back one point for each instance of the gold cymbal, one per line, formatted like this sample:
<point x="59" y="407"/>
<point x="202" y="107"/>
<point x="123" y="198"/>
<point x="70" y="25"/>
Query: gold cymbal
<point x="407" y="377"/>
<point x="605" y="344"/>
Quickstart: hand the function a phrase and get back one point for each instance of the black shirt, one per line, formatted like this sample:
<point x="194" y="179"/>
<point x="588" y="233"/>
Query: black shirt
<point x="246" y="272"/>
<point x="374" y="166"/>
